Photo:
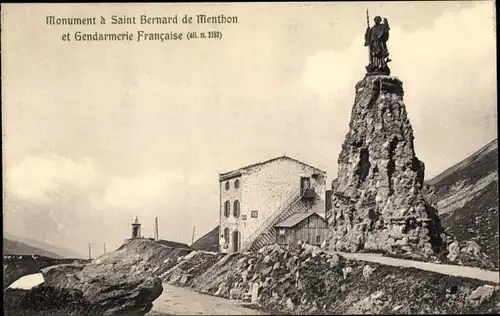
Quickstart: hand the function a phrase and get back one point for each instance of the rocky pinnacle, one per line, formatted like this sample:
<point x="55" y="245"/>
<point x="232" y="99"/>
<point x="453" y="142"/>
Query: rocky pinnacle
<point x="377" y="201"/>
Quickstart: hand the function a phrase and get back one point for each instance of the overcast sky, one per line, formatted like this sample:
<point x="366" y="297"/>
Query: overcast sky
<point x="96" y="133"/>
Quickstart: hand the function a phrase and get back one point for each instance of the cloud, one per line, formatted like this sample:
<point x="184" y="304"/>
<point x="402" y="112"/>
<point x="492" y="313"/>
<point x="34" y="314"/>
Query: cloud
<point x="455" y="45"/>
<point x="449" y="74"/>
<point x="135" y="192"/>
<point x="56" y="198"/>
<point x="44" y="178"/>
<point x="55" y="178"/>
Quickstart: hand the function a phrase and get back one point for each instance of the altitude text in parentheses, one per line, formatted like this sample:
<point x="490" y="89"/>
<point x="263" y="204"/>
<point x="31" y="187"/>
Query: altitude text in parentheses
<point x="215" y="34"/>
<point x="191" y="35"/>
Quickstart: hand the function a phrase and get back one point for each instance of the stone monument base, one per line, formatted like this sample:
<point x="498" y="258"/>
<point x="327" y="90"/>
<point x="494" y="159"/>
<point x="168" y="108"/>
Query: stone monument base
<point x="370" y="71"/>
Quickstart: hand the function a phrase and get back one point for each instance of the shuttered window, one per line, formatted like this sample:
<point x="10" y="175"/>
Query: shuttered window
<point x="236" y="208"/>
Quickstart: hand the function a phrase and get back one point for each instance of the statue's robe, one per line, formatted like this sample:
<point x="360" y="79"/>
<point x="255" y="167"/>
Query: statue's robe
<point x="376" y="38"/>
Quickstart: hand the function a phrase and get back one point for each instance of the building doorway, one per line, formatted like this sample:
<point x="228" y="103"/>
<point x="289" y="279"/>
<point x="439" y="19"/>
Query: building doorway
<point x="236" y="241"/>
<point x="281" y="240"/>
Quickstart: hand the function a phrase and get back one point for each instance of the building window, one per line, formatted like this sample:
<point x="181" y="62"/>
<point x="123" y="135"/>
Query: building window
<point x="318" y="239"/>
<point x="236" y="183"/>
<point x="254" y="214"/>
<point x="227" y="185"/>
<point x="226" y="235"/>
<point x="305" y="184"/>
<point x="227" y="209"/>
<point x="236" y="208"/>
<point x="282" y="232"/>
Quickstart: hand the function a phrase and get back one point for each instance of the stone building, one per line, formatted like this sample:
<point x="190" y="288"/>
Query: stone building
<point x="256" y="197"/>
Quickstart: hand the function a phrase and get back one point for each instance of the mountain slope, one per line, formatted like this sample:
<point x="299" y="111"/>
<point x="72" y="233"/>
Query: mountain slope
<point x="36" y="244"/>
<point x="13" y="247"/>
<point x="466" y="196"/>
<point x="209" y="242"/>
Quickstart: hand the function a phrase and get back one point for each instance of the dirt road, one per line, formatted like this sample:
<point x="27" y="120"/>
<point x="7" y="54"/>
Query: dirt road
<point x="180" y="301"/>
<point x="468" y="272"/>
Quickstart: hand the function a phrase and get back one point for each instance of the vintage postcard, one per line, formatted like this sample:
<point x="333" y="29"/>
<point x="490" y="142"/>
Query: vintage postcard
<point x="250" y="158"/>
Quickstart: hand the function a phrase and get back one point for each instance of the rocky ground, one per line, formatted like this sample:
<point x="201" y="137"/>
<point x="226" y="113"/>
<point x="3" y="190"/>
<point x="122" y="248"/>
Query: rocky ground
<point x="119" y="283"/>
<point x="308" y="281"/>
<point x="290" y="281"/>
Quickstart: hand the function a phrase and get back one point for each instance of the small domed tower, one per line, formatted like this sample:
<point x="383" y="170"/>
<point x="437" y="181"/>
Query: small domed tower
<point x="136" y="229"/>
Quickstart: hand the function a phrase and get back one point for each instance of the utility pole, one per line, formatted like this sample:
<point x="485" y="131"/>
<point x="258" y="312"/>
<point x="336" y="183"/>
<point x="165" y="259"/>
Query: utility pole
<point x="90" y="252"/>
<point x="104" y="247"/>
<point x="157" y="235"/>
<point x="192" y="239"/>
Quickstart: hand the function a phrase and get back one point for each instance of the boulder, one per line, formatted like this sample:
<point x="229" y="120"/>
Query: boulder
<point x="367" y="271"/>
<point x="346" y="271"/>
<point x="472" y="248"/>
<point x="267" y="259"/>
<point x="324" y="245"/>
<point x="49" y="300"/>
<point x="453" y="251"/>
<point x="482" y="294"/>
<point x="17" y="266"/>
<point x="185" y="278"/>
<point x="235" y="293"/>
<point x="334" y="260"/>
<point x="114" y="286"/>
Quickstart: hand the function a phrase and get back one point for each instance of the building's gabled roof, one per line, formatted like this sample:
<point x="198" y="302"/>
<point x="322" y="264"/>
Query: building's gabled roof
<point x="295" y="219"/>
<point x="237" y="172"/>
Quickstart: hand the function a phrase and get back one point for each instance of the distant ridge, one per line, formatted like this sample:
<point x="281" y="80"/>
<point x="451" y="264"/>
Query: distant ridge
<point x="466" y="196"/>
<point x="13" y="247"/>
<point x="479" y="163"/>
<point x="43" y="246"/>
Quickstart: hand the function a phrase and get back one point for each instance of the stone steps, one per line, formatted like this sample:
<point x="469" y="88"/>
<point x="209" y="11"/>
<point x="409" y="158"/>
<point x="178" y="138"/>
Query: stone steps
<point x="268" y="237"/>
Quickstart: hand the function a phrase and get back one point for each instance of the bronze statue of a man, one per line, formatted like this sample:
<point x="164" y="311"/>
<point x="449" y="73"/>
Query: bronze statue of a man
<point x="376" y="39"/>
